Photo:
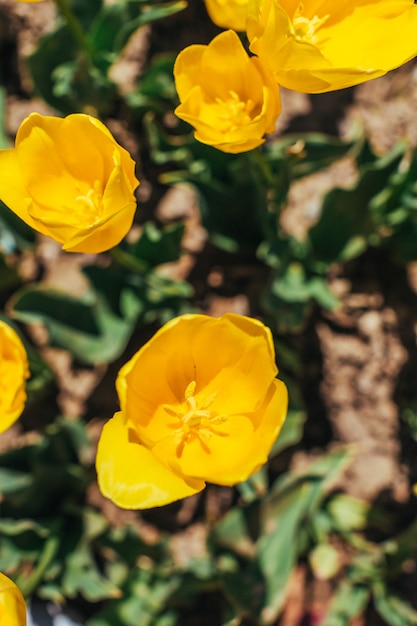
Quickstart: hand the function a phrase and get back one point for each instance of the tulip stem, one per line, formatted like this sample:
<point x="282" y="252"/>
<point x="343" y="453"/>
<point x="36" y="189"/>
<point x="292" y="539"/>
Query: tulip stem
<point x="263" y="166"/>
<point x="74" y="26"/>
<point x="28" y="584"/>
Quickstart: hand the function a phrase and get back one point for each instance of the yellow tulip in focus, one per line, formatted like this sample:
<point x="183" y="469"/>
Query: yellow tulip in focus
<point x="229" y="98"/>
<point x="316" y="46"/>
<point x="228" y="13"/>
<point x="12" y="605"/>
<point x="69" y="179"/>
<point x="199" y="402"/>
<point x="14" y="371"/>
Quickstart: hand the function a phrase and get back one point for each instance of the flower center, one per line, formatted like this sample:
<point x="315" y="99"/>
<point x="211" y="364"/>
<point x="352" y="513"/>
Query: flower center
<point x="235" y="113"/>
<point x="196" y="422"/>
<point x="91" y="202"/>
<point x="304" y="28"/>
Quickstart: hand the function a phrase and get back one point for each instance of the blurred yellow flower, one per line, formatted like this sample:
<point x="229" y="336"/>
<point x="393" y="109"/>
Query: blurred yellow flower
<point x="69" y="179"/>
<point x="199" y="402"/>
<point x="14" y="371"/>
<point x="229" y="98"/>
<point x="228" y="13"/>
<point x="12" y="605"/>
<point x="314" y="47"/>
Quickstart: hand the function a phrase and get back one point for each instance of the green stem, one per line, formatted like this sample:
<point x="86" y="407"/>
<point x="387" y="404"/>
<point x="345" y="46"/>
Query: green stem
<point x="266" y="183"/>
<point x="126" y="261"/>
<point x="28" y="584"/>
<point x="263" y="166"/>
<point x="75" y="27"/>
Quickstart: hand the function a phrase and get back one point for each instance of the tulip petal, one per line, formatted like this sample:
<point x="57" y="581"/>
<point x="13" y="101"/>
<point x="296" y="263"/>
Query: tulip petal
<point x="132" y="476"/>
<point x="233" y="450"/>
<point x="239" y="368"/>
<point x="187" y="69"/>
<point x="228" y="13"/>
<point x="14" y="371"/>
<point x="187" y="349"/>
<point x="340" y="47"/>
<point x="162" y="369"/>
<point x="228" y="97"/>
<point x="12" y="188"/>
<point x="12" y="604"/>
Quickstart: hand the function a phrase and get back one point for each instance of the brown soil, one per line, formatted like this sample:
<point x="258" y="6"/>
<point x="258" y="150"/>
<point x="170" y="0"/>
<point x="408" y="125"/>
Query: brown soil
<point x="359" y="361"/>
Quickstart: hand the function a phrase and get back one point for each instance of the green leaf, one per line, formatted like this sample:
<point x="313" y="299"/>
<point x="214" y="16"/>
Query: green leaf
<point x="348" y="602"/>
<point x="88" y="327"/>
<point x="325" y="561"/>
<point x="291" y="432"/>
<point x="346" y="215"/>
<point x="348" y="513"/>
<point x="116" y="23"/>
<point x="232" y="532"/>
<point x="156" y="89"/>
<point x="14" y="233"/>
<point x="81" y="576"/>
<point x="255" y="486"/>
<point x="11" y="480"/>
<point x="291" y="501"/>
<point x="309" y="152"/>
<point x="85" y="12"/>
<point x="65" y="77"/>
<point x="54" y="49"/>
<point x="394" y="610"/>
<point x="156" y="246"/>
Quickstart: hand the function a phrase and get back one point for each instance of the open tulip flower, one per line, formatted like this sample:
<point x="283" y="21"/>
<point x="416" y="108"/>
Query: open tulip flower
<point x="14" y="371"/>
<point x="229" y="98"/>
<point x="69" y="179"/>
<point x="228" y="13"/>
<point x="199" y="402"/>
<point x="319" y="45"/>
<point x="12" y="605"/>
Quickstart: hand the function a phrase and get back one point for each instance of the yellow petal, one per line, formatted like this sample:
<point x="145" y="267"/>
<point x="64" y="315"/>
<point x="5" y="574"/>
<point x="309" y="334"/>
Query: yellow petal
<point x="241" y="369"/>
<point x="12" y="188"/>
<point x="131" y="475"/>
<point x="316" y="46"/>
<point x="239" y="75"/>
<point x="69" y="179"/>
<point x="228" y="13"/>
<point x="231" y="100"/>
<point x="14" y="371"/>
<point x="230" y="358"/>
<point x="160" y="371"/>
<point x="187" y="69"/>
<point x="233" y="450"/>
<point x="12" y="605"/>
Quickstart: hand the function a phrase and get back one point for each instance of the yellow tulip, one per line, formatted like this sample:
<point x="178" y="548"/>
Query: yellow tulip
<point x="14" y="371"/>
<point x="69" y="179"/>
<point x="228" y="13"/>
<point x="12" y="605"/>
<point x="314" y="46"/>
<point x="229" y="98"/>
<point x="199" y="402"/>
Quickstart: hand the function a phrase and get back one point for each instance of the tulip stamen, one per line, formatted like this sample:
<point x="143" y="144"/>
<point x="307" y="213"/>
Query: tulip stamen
<point x="305" y="29"/>
<point x="92" y="201"/>
<point x="197" y="422"/>
<point x="234" y="111"/>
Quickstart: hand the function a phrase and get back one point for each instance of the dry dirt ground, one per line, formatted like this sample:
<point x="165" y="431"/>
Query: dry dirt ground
<point x="359" y="362"/>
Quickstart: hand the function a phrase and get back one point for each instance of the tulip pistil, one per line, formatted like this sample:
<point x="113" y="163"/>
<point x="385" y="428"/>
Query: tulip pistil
<point x="196" y="422"/>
